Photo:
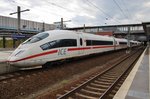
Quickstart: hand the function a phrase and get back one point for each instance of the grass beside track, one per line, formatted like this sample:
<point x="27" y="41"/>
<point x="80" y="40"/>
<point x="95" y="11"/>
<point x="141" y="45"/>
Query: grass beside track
<point x="9" y="43"/>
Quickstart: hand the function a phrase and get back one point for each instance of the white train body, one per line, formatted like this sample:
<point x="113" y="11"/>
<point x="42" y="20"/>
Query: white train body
<point x="61" y="44"/>
<point x="121" y="43"/>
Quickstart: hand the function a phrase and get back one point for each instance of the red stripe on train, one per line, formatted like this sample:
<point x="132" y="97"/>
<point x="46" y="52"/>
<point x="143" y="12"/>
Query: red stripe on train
<point x="75" y="49"/>
<point x="37" y="55"/>
<point x="102" y="46"/>
<point x="55" y="51"/>
<point x="85" y="48"/>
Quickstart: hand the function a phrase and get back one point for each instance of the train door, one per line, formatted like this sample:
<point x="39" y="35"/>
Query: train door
<point x="81" y="44"/>
<point x="115" y="43"/>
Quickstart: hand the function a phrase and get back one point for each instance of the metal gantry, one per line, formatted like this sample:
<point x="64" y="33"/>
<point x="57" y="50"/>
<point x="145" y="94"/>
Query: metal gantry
<point x="19" y="16"/>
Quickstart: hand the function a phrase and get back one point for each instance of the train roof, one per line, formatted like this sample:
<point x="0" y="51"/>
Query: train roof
<point x="58" y="32"/>
<point x="121" y="39"/>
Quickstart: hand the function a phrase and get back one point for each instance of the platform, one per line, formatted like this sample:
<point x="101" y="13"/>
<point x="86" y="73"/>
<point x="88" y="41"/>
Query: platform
<point x="4" y="67"/>
<point x="137" y="84"/>
<point x="4" y="55"/>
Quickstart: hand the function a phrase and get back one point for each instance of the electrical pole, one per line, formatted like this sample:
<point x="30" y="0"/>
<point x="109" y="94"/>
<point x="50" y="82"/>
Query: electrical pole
<point x="19" y="17"/>
<point x="129" y="37"/>
<point x="61" y="23"/>
<point x="18" y="22"/>
<point x="128" y="43"/>
<point x="84" y="28"/>
<point x="43" y="27"/>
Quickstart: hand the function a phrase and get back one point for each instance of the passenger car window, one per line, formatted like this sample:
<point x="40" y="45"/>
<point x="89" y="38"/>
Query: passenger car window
<point x="59" y="43"/>
<point x="97" y="42"/>
<point x="53" y="44"/>
<point x="36" y="38"/>
<point x="123" y="43"/>
<point x="67" y="42"/>
<point x="45" y="46"/>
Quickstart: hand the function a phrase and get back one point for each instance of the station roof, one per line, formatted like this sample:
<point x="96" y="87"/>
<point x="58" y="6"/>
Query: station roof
<point x="89" y="27"/>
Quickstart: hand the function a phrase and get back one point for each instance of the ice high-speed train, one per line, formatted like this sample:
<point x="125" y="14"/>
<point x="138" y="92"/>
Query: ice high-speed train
<point x="56" y="45"/>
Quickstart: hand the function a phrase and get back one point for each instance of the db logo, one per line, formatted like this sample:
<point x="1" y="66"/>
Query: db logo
<point x="62" y="51"/>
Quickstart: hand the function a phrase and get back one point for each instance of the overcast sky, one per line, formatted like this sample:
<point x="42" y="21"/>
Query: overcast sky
<point x="88" y="12"/>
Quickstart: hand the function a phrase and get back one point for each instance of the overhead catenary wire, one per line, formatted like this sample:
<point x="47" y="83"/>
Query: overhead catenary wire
<point x="64" y="8"/>
<point x="130" y="15"/>
<point x="101" y="10"/>
<point x="49" y="11"/>
<point x="54" y="4"/>
<point x="120" y="9"/>
<point x="106" y="14"/>
<point x="107" y="17"/>
<point x="50" y="3"/>
<point x="104" y="17"/>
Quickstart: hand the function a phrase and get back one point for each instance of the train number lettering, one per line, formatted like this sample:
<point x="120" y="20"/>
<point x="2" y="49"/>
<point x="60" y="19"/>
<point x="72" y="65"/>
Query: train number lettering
<point x="62" y="51"/>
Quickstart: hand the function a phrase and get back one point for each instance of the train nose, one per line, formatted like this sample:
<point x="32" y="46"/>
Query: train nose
<point x="12" y="60"/>
<point x="15" y="56"/>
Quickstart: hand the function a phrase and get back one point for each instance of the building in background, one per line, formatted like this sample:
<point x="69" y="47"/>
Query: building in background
<point x="25" y="25"/>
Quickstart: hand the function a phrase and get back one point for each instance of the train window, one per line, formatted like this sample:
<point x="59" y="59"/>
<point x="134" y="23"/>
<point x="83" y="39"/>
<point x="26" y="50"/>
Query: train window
<point x="59" y="43"/>
<point x="97" y="42"/>
<point x="67" y="42"/>
<point x="53" y="44"/>
<point x="45" y="46"/>
<point x="36" y="38"/>
<point x="49" y="45"/>
<point x="42" y="35"/>
<point x="123" y="43"/>
<point x="81" y="41"/>
<point x="88" y="42"/>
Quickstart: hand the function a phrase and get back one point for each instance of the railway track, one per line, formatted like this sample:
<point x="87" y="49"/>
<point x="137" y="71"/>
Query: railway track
<point x="12" y="75"/>
<point x="105" y="84"/>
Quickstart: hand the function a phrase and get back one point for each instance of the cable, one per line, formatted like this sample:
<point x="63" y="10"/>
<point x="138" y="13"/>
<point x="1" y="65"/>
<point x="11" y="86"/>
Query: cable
<point x="120" y="9"/>
<point x="98" y="8"/>
<point x="128" y="10"/>
<point x="54" y="4"/>
<point x="38" y="9"/>
<point x="106" y="14"/>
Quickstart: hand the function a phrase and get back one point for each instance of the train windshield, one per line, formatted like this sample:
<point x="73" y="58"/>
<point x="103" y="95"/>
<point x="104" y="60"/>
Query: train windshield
<point x="36" y="38"/>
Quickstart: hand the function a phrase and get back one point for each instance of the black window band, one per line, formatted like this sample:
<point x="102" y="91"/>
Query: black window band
<point x="59" y="43"/>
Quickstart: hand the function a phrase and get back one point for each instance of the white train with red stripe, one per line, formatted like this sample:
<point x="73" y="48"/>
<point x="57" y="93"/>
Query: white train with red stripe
<point x="61" y="44"/>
